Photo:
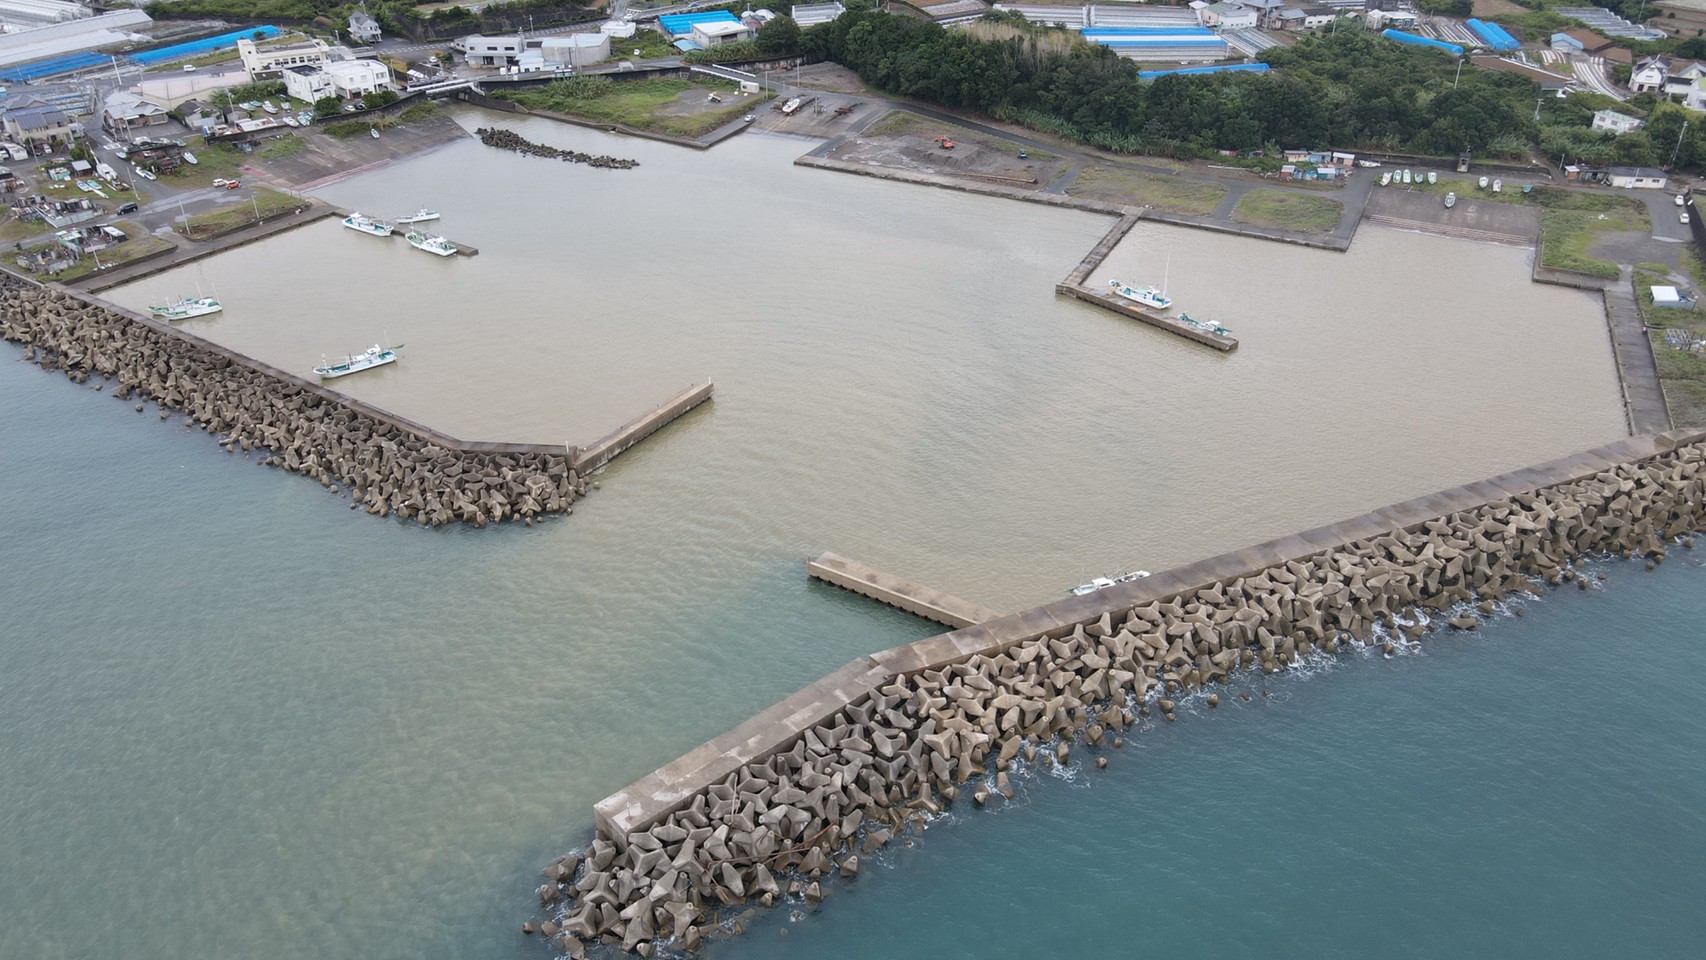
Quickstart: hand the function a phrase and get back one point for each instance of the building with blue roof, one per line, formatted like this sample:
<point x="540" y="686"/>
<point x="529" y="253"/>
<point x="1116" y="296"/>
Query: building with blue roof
<point x="678" y="25"/>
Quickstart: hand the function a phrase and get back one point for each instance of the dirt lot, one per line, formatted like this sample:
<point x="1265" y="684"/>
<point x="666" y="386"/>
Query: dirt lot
<point x="828" y="77"/>
<point x="327" y="156"/>
<point x="910" y="142"/>
<point x="1497" y="8"/>
<point x="1115" y="184"/>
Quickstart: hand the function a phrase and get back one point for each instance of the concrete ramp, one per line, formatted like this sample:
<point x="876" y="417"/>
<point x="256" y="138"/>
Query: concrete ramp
<point x="902" y="594"/>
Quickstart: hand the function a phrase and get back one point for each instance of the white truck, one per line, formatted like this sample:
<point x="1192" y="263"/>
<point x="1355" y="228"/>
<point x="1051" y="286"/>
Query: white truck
<point x="14" y="151"/>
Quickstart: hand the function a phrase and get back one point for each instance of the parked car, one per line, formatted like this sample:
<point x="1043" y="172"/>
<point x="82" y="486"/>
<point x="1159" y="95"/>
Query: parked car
<point x="1679" y="199"/>
<point x="221" y="182"/>
<point x="233" y="184"/>
<point x="125" y="208"/>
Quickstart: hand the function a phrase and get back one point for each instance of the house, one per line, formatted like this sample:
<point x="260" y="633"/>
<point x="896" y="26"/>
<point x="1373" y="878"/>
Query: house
<point x="271" y="62"/>
<point x="125" y="111"/>
<point x="344" y="79"/>
<point x="1650" y="75"/>
<point x="1228" y="16"/>
<point x="1684" y="78"/>
<point x="39" y="129"/>
<point x="1638" y="178"/>
<point x="1577" y="40"/>
<point x="1615" y="122"/>
<point x="197" y="115"/>
<point x="716" y="32"/>
<point x="363" y="28"/>
<point x="1289" y="18"/>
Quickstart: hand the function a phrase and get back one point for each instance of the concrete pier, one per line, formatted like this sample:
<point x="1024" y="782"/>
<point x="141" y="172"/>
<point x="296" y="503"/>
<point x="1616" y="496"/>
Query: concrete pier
<point x="607" y="448"/>
<point x="1125" y="307"/>
<point x="648" y="801"/>
<point x="1100" y="251"/>
<point x="886" y="588"/>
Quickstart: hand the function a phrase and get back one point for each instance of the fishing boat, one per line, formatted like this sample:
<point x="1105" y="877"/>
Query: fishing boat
<point x="373" y="132"/>
<point x="1148" y="296"/>
<point x="184" y="308"/>
<point x="1386" y="178"/>
<point x="1483" y="183"/>
<point x="190" y="159"/>
<point x="144" y="172"/>
<point x="1433" y="177"/>
<point x="1210" y="327"/>
<point x="419" y="216"/>
<point x="378" y="228"/>
<point x="436" y="245"/>
<point x="1406" y="177"/>
<point x="268" y="107"/>
<point x="1498" y="185"/>
<point x="1450" y="200"/>
<point x="1103" y="583"/>
<point x="374" y="356"/>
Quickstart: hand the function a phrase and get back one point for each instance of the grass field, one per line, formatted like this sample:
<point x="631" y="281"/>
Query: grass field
<point x="234" y="216"/>
<point x="669" y="106"/>
<point x="141" y="244"/>
<point x="1682" y="372"/>
<point x="1113" y="184"/>
<point x="1288" y="211"/>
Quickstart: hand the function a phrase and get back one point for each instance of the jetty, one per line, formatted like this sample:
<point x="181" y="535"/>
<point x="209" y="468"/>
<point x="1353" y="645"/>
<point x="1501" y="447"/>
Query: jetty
<point x="1073" y="286"/>
<point x="797" y="794"/>
<point x="916" y="599"/>
<point x="606" y="448"/>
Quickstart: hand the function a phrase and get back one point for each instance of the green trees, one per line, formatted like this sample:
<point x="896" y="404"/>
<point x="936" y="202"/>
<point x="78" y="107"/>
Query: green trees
<point x="779" y="37"/>
<point x="328" y="107"/>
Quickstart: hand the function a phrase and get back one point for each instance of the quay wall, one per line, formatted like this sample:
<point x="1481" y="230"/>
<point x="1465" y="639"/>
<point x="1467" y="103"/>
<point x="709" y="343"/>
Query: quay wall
<point x="607" y="448"/>
<point x="389" y="465"/>
<point x="916" y="599"/>
<point x="791" y="799"/>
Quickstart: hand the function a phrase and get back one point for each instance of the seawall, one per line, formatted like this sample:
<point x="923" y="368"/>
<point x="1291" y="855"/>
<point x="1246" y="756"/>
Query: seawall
<point x="388" y="464"/>
<point x="800" y="791"/>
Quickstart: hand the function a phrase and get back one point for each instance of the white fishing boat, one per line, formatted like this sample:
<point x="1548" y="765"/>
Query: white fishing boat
<point x="377" y="228"/>
<point x="1368" y="163"/>
<point x="190" y="159"/>
<point x="1386" y="178"/>
<point x="1498" y="185"/>
<point x="792" y="105"/>
<point x="267" y="105"/>
<point x="1450" y="200"/>
<point x="1406" y="178"/>
<point x="1147" y="296"/>
<point x="434" y="245"/>
<point x="1433" y="177"/>
<point x="1210" y="327"/>
<point x="374" y="356"/>
<point x="419" y="216"/>
<point x="374" y="132"/>
<point x="1103" y="583"/>
<point x="184" y="308"/>
<point x="1483" y="183"/>
<point x="143" y="172"/>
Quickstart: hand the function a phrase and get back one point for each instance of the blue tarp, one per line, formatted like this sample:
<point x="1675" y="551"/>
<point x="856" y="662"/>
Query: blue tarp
<point x="1227" y="68"/>
<point x="53" y="65"/>
<point x="204" y="45"/>
<point x="681" y="24"/>
<point x="1492" y="34"/>
<point x="1411" y="39"/>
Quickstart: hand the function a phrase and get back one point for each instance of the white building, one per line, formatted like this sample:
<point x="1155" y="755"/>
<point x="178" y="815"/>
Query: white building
<point x="270" y="63"/>
<point x="344" y="79"/>
<point x="715" y="32"/>
<point x="575" y="50"/>
<point x="1650" y="75"/>
<point x="1645" y="178"/>
<point x="622" y="29"/>
<point x="812" y="14"/>
<point x="492" y="51"/>
<point x="1617" y="123"/>
<point x="1226" y="16"/>
<point x="1316" y="17"/>
<point x="363" y="28"/>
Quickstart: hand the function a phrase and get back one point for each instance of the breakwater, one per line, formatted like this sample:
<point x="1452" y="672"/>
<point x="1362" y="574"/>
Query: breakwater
<point x="783" y="803"/>
<point x="387" y="464"/>
<point x="914" y="598"/>
<point x="516" y="143"/>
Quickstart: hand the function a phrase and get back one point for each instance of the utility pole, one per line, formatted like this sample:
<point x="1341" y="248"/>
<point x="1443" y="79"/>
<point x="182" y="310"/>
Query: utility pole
<point x="1675" y="150"/>
<point x="1537" y="104"/>
<point x="1453" y="79"/>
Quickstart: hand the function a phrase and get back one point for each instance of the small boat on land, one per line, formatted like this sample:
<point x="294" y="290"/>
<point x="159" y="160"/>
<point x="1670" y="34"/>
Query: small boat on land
<point x="419" y="216"/>
<point x="374" y="356"/>
<point x="1483" y="183"/>
<point x="1148" y="296"/>
<point x="1368" y="163"/>
<point x="268" y="106"/>
<point x="792" y="105"/>
<point x="1386" y="178"/>
<point x="1406" y="178"/>
<point x="373" y="132"/>
<point x="1433" y="177"/>
<point x="184" y="308"/>
<point x="368" y="225"/>
<point x="434" y="245"/>
<point x="143" y="172"/>
<point x="1498" y="185"/>
<point x="1450" y="200"/>
<point x="190" y="159"/>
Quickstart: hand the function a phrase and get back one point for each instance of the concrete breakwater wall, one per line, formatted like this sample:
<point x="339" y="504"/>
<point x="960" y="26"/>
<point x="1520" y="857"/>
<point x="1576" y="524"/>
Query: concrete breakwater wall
<point x="780" y="805"/>
<point x="389" y="465"/>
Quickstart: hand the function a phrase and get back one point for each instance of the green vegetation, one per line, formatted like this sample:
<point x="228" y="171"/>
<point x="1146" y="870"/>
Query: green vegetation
<point x="283" y="146"/>
<point x="675" y="107"/>
<point x="424" y="110"/>
<point x="650" y="44"/>
<point x="1682" y="372"/>
<point x="1572" y="222"/>
<point x="235" y="216"/>
<point x="1283" y="210"/>
<point x="214" y="161"/>
<point x="1116" y="184"/>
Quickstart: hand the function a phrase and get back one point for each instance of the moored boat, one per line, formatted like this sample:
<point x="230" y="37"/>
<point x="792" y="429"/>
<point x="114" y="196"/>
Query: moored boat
<point x="434" y="245"/>
<point x="419" y="216"/>
<point x="184" y="308"/>
<point x="1210" y="327"/>
<point x="1148" y="296"/>
<point x="378" y="228"/>
<point x="1103" y="583"/>
<point x="374" y="356"/>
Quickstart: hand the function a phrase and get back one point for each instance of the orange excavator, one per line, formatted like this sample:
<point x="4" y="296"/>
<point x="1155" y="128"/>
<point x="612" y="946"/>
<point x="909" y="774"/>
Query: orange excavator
<point x="945" y="143"/>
